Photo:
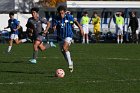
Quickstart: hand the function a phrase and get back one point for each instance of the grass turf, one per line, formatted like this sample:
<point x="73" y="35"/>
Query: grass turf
<point x="98" y="68"/>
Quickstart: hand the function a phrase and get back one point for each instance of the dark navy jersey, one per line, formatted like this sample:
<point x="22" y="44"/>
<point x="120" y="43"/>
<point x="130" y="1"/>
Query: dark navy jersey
<point x="13" y="24"/>
<point x="63" y="26"/>
<point x="36" y="25"/>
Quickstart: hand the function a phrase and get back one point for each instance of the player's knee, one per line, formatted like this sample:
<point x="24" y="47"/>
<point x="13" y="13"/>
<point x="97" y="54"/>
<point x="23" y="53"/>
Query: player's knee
<point x="42" y="47"/>
<point x="35" y="48"/>
<point x="65" y="48"/>
<point x="17" y="42"/>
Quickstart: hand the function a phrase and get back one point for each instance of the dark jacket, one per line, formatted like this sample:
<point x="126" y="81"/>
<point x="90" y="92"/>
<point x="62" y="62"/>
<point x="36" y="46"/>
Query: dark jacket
<point x="133" y="23"/>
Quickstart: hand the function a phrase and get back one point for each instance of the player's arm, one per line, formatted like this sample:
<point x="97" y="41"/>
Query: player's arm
<point x="47" y="27"/>
<point x="30" y="27"/>
<point x="81" y="21"/>
<point x="92" y="21"/>
<point x="123" y="22"/>
<point x="137" y="24"/>
<point x="55" y="23"/>
<point x="79" y="26"/>
<point x="115" y="14"/>
<point x="54" y="28"/>
<point x="7" y="26"/>
<point x="18" y="27"/>
<point x="44" y="20"/>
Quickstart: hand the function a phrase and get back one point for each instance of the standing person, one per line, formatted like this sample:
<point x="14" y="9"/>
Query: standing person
<point x="133" y="24"/>
<point x="84" y="22"/>
<point x="35" y="29"/>
<point x="119" y="25"/>
<point x="96" y="23"/>
<point x="64" y="32"/>
<point x="14" y="26"/>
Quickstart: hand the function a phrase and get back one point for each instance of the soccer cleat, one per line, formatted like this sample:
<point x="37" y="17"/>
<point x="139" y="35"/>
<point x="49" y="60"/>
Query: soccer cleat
<point x="52" y="44"/>
<point x="71" y="68"/>
<point x="28" y="39"/>
<point x="33" y="61"/>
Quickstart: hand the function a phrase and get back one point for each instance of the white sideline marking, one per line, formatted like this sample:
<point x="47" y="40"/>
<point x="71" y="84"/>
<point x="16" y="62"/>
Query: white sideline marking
<point x="92" y="81"/>
<point x="30" y="57"/>
<point x="115" y="58"/>
<point x="121" y="59"/>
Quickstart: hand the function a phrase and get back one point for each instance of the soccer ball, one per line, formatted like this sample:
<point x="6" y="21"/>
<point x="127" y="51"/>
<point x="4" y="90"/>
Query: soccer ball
<point x="60" y="73"/>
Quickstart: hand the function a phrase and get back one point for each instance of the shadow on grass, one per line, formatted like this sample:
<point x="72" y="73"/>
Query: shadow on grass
<point x="1" y="62"/>
<point x="37" y="72"/>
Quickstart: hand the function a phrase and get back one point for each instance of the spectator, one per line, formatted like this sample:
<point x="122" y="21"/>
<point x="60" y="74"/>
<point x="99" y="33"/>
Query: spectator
<point x="96" y="23"/>
<point x="84" y="22"/>
<point x="133" y="24"/>
<point x="119" y="25"/>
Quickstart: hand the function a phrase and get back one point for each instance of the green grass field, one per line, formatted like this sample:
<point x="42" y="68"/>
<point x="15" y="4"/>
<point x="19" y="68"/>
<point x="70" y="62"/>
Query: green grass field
<point x="98" y="68"/>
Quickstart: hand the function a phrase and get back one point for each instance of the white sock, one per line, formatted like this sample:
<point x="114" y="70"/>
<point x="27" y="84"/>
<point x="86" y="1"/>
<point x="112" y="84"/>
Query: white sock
<point x="83" y="41"/>
<point x="87" y="41"/>
<point x="9" y="48"/>
<point x="23" y="40"/>
<point x="118" y="40"/>
<point x="121" y="40"/>
<point x="69" y="58"/>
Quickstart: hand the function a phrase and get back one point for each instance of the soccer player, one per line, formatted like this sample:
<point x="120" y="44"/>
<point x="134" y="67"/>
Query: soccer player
<point x="134" y="27"/>
<point x="35" y="29"/>
<point x="14" y="26"/>
<point x="96" y="23"/>
<point x="64" y="33"/>
<point x="84" y="22"/>
<point x="119" y="25"/>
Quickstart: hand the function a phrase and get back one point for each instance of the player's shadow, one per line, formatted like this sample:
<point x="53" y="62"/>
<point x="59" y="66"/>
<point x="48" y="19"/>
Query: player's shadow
<point x="50" y="76"/>
<point x="37" y="72"/>
<point x="7" y="62"/>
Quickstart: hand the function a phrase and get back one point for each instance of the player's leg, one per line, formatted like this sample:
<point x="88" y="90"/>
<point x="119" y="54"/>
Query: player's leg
<point x="95" y="33"/>
<point x="98" y="34"/>
<point x="121" y="36"/>
<point x="10" y="43"/>
<point x="118" y="35"/>
<point x="83" y="35"/>
<point x="137" y="36"/>
<point x="35" y="46"/>
<point x="66" y="45"/>
<point x="118" y="38"/>
<point x="20" y="41"/>
<point x="87" y="31"/>
<point x="35" y="51"/>
<point x="62" y="50"/>
<point x="87" y="40"/>
<point x="44" y="46"/>
<point x="83" y="41"/>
